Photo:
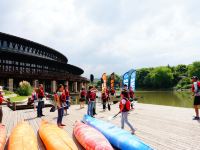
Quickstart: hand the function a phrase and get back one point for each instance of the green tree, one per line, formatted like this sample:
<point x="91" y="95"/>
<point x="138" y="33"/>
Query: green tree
<point x="161" y="77"/>
<point x="141" y="74"/>
<point x="194" y="69"/>
<point x="181" y="70"/>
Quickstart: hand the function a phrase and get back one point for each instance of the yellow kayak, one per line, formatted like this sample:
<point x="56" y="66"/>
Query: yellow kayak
<point x="55" y="138"/>
<point x="22" y="138"/>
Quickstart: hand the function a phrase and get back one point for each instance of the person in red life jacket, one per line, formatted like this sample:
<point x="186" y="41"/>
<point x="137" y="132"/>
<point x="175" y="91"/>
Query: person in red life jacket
<point x="41" y="96"/>
<point x="1" y="101"/>
<point x="112" y="93"/>
<point x="196" y="94"/>
<point x="91" y="103"/>
<point x="67" y="94"/>
<point x="95" y="91"/>
<point x="107" y="92"/>
<point x="34" y="98"/>
<point x="82" y="97"/>
<point x="63" y="100"/>
<point x="88" y="96"/>
<point x="104" y="100"/>
<point x="59" y="101"/>
<point x="125" y="106"/>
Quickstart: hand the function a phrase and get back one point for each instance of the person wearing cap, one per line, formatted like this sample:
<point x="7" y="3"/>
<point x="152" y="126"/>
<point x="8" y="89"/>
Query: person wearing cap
<point x="196" y="94"/>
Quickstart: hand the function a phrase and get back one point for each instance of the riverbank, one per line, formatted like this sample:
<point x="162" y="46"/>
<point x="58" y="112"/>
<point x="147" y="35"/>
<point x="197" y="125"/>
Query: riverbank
<point x="162" y="127"/>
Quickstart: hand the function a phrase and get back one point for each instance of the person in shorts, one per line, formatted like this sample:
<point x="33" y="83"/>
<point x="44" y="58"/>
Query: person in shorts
<point x="196" y="94"/>
<point x="82" y="97"/>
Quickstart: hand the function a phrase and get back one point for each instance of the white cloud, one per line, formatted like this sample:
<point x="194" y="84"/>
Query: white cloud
<point x="106" y="36"/>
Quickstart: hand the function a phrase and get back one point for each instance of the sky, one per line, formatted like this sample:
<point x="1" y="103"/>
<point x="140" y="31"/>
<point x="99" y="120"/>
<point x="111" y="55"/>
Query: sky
<point x="109" y="35"/>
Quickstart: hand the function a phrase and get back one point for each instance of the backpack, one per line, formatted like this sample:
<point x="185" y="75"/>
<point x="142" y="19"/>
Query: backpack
<point x="127" y="106"/>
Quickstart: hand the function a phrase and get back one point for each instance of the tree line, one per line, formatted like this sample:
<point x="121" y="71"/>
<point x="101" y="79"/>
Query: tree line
<point x="163" y="77"/>
<point x="166" y="77"/>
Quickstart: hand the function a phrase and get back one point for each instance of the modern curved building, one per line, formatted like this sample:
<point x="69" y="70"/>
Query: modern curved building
<point x="22" y="59"/>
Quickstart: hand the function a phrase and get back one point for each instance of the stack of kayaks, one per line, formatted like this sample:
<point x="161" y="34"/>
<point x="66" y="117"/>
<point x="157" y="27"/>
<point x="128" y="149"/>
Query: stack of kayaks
<point x="22" y="138"/>
<point x="90" y="138"/>
<point x="2" y="137"/>
<point x="55" y="138"/>
<point x="119" y="138"/>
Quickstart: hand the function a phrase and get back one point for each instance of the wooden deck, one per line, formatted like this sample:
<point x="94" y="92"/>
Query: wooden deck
<point x="161" y="127"/>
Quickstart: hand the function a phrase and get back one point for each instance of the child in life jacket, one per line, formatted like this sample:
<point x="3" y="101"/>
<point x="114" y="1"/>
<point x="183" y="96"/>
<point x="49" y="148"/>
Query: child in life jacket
<point x="125" y="106"/>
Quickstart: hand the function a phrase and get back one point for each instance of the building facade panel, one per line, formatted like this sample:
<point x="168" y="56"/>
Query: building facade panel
<point x="21" y="59"/>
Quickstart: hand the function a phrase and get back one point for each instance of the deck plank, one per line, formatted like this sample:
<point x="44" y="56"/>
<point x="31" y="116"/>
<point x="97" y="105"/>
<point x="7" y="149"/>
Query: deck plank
<point x="161" y="127"/>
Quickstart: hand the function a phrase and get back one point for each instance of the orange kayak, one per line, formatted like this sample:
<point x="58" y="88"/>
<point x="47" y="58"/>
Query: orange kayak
<point x="2" y="137"/>
<point x="90" y="138"/>
<point x="55" y="138"/>
<point x="22" y="138"/>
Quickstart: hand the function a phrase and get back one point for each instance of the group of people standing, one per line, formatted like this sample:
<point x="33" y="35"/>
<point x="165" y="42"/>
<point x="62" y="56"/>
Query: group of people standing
<point x="38" y="98"/>
<point x="62" y="102"/>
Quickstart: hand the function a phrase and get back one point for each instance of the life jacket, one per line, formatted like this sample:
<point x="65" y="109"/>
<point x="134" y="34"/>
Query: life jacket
<point x="92" y="96"/>
<point x="107" y="92"/>
<point x="63" y="97"/>
<point x="67" y="93"/>
<point x="83" y="93"/>
<point x="41" y="93"/>
<point x="103" y="97"/>
<point x="196" y="91"/>
<point x="1" y="99"/>
<point x="112" y="91"/>
<point x="127" y="105"/>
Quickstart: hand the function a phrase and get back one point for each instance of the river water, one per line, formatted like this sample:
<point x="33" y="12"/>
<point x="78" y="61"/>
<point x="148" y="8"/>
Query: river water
<point x="167" y="98"/>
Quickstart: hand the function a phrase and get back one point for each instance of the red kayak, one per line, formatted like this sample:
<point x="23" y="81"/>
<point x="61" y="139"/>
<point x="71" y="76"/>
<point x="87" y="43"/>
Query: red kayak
<point x="2" y="137"/>
<point x="90" y="138"/>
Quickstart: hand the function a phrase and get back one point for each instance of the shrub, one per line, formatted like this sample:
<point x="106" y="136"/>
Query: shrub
<point x="24" y="89"/>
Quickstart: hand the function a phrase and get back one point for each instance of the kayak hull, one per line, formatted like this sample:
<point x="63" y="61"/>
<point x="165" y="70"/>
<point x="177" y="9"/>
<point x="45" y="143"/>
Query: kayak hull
<point x="22" y="138"/>
<point x="55" y="138"/>
<point x="119" y="138"/>
<point x="2" y="137"/>
<point x="90" y="138"/>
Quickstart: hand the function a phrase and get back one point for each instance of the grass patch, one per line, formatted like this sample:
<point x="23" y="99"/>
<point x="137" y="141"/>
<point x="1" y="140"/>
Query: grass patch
<point x="8" y="92"/>
<point x="18" y="98"/>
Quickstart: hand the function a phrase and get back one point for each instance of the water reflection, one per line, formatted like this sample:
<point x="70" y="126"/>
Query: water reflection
<point x="168" y="98"/>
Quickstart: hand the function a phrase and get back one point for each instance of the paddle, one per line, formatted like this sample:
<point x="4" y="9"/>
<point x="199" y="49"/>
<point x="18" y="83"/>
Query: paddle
<point x="112" y="117"/>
